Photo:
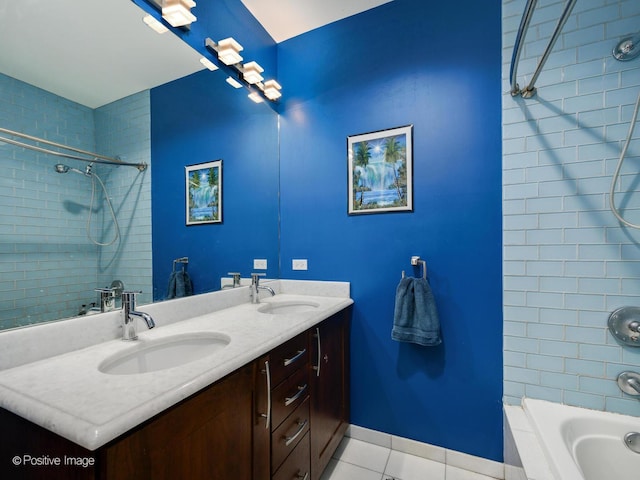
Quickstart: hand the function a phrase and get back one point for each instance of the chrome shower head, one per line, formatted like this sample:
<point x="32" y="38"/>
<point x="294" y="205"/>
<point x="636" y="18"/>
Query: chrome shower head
<point x="61" y="168"/>
<point x="627" y="49"/>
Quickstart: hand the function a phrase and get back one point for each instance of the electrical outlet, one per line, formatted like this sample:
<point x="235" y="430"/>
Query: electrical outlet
<point x="299" y="264"/>
<point x="259" y="264"/>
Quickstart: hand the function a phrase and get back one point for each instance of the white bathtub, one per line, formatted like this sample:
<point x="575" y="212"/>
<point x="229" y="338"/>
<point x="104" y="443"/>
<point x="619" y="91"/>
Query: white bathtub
<point x="578" y="444"/>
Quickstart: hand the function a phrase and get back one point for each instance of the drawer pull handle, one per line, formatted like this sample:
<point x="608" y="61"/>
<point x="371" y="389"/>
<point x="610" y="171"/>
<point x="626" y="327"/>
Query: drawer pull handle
<point x="303" y="477"/>
<point x="289" y="440"/>
<point x="317" y="367"/>
<point x="289" y="400"/>
<point x="289" y="361"/>
<point x="267" y="416"/>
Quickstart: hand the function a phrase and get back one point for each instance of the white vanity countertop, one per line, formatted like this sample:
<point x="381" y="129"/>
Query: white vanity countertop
<point x="68" y="395"/>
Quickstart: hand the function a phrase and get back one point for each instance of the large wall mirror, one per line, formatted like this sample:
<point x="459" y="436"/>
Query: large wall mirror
<point x="93" y="76"/>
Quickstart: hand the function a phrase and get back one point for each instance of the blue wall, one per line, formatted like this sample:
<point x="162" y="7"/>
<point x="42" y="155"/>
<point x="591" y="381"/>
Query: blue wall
<point x="435" y="65"/>
<point x="195" y="130"/>
<point x="399" y="64"/>
<point x="198" y="119"/>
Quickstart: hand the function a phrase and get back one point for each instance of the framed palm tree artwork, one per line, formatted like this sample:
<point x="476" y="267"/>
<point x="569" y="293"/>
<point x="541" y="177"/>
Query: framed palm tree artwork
<point x="381" y="171"/>
<point x="204" y="193"/>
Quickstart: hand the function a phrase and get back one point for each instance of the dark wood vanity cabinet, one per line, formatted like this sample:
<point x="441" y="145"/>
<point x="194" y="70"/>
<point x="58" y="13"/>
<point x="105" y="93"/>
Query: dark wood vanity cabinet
<point x="309" y="399"/>
<point x="209" y="435"/>
<point x="281" y="417"/>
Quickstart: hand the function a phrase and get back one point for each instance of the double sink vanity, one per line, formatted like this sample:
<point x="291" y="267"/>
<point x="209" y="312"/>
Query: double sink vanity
<point x="221" y="388"/>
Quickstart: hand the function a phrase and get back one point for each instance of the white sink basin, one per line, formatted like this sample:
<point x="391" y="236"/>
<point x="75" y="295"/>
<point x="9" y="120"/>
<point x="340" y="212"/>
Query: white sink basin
<point x="164" y="353"/>
<point x="283" y="308"/>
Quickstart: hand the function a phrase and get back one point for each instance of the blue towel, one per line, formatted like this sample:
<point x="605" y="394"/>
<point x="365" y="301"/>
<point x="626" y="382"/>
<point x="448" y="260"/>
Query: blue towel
<point x="415" y="317"/>
<point x="180" y="285"/>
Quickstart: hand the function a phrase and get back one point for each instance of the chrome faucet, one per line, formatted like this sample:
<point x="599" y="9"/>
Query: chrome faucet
<point x="236" y="280"/>
<point x="107" y="299"/>
<point x="256" y="287"/>
<point x="129" y="315"/>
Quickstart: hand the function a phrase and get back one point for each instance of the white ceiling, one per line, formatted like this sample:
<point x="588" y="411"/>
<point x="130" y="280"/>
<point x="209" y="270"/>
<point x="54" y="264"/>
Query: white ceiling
<point x="90" y="51"/>
<point x="94" y="52"/>
<point x="285" y="19"/>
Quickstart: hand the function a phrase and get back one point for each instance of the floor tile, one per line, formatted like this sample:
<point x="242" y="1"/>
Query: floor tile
<point x="363" y="454"/>
<point x="402" y="466"/>
<point x="346" y="471"/>
<point x="455" y="473"/>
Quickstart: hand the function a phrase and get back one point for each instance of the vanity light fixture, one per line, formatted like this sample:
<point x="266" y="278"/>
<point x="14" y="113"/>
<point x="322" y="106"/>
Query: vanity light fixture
<point x="233" y="82"/>
<point x="154" y="24"/>
<point x="208" y="63"/>
<point x="178" y="12"/>
<point x="229" y="51"/>
<point x="243" y="75"/>
<point x="271" y="90"/>
<point x="256" y="97"/>
<point x="251" y="73"/>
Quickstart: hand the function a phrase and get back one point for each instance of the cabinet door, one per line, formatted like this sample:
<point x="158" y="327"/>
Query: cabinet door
<point x="207" y="436"/>
<point x="330" y="388"/>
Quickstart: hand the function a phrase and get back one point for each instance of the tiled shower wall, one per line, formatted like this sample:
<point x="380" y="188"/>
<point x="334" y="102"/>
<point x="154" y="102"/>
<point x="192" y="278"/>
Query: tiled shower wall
<point x="568" y="262"/>
<point x="48" y="267"/>
<point x="123" y="130"/>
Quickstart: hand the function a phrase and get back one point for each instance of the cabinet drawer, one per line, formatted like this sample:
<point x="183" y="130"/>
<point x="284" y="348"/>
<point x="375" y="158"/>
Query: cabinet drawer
<point x="288" y="357"/>
<point x="289" y="394"/>
<point x="289" y="434"/>
<point x="296" y="466"/>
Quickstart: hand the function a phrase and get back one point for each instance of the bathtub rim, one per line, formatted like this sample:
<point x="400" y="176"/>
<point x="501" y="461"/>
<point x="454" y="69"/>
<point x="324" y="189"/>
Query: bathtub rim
<point x="556" y="423"/>
<point x="533" y="462"/>
<point x="536" y="460"/>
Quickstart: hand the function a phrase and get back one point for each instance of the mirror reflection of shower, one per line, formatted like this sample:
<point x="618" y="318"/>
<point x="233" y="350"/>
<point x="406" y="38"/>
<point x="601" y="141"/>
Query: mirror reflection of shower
<point x="61" y="168"/>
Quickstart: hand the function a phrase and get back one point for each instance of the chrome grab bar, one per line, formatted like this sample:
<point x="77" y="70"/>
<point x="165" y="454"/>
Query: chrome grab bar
<point x="292" y="438"/>
<point x="289" y="400"/>
<point x="530" y="90"/>
<point x="93" y="157"/>
<point x="517" y="48"/>
<point x="289" y="361"/>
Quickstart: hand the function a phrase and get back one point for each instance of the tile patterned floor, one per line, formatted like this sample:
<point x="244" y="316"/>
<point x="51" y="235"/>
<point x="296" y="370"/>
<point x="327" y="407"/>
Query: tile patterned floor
<point x="358" y="460"/>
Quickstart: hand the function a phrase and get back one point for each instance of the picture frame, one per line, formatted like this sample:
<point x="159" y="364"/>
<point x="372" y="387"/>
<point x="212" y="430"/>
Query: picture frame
<point x="203" y="193"/>
<point x="380" y="171"/>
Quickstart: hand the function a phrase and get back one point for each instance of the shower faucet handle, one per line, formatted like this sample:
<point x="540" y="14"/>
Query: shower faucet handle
<point x="629" y="382"/>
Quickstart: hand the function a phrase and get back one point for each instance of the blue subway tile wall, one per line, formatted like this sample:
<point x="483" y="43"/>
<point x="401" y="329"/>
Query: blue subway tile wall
<point x="567" y="261"/>
<point x="48" y="267"/>
<point x="123" y="129"/>
<point x="44" y="257"/>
